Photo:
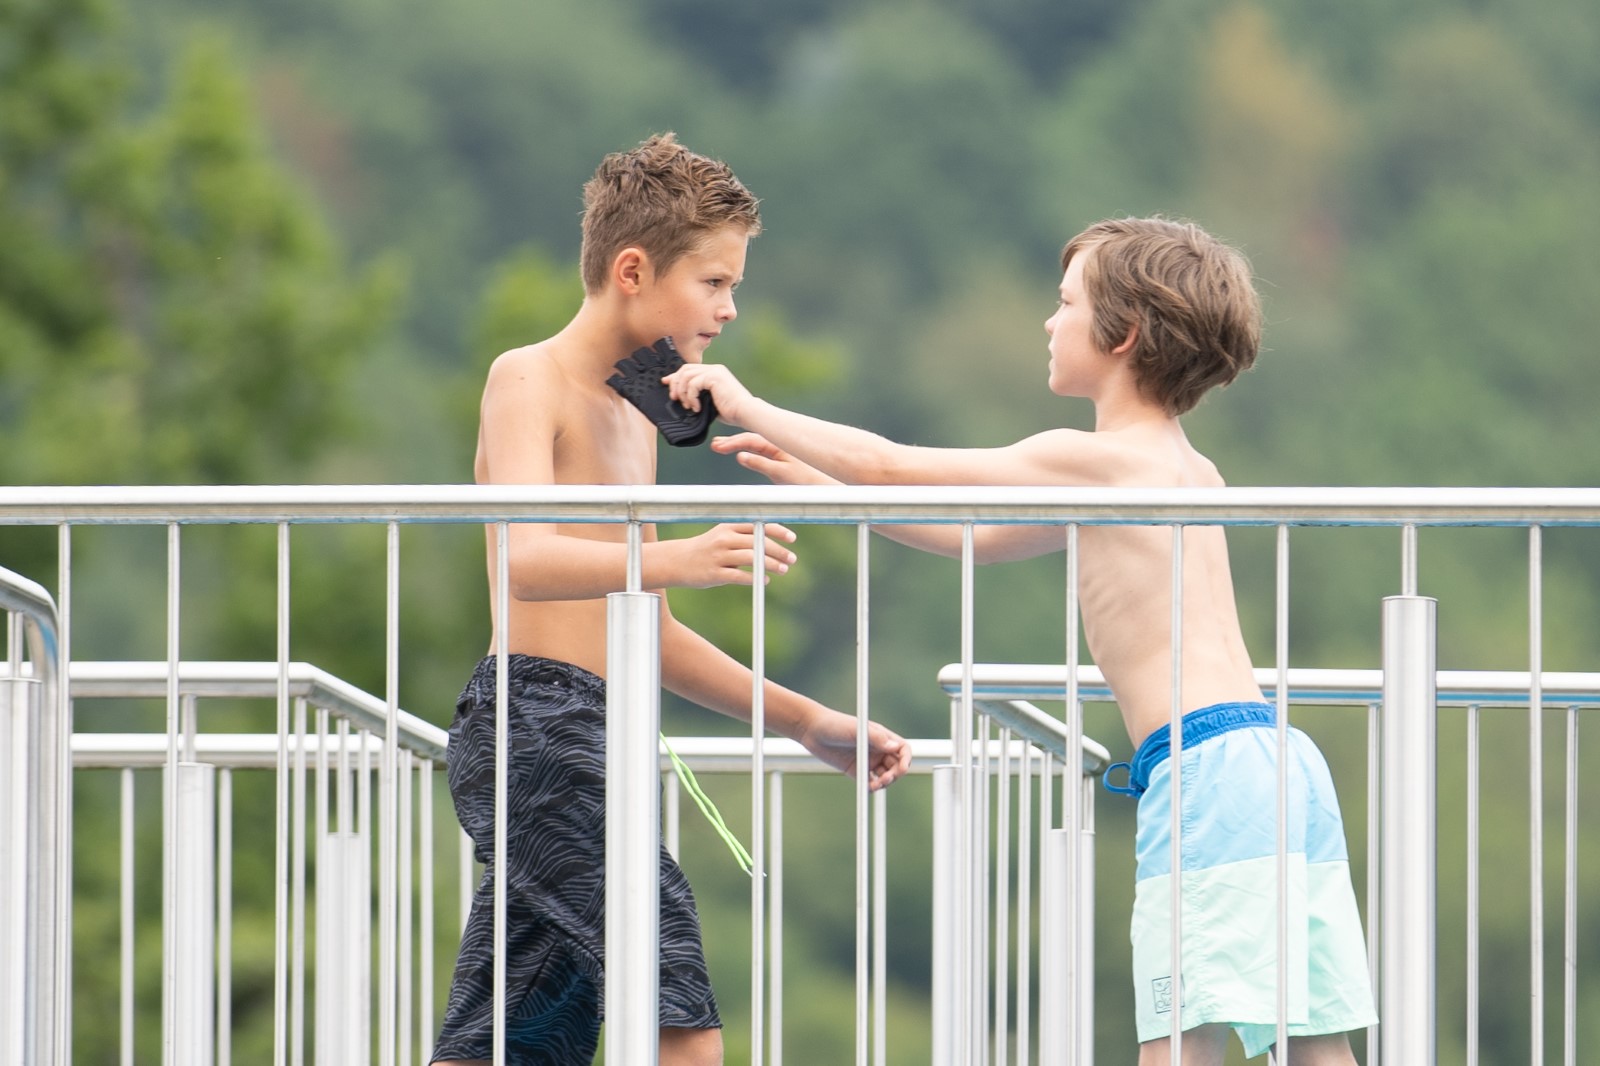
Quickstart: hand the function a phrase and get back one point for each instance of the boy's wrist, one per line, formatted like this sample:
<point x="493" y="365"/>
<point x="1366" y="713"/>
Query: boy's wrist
<point x="656" y="567"/>
<point x="744" y="409"/>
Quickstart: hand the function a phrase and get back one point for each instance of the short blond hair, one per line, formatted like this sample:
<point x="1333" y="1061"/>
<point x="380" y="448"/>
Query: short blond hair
<point x="1191" y="296"/>
<point x="662" y="198"/>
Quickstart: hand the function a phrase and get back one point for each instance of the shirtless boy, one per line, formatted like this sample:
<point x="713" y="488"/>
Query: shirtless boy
<point x="1152" y="314"/>
<point x="664" y="238"/>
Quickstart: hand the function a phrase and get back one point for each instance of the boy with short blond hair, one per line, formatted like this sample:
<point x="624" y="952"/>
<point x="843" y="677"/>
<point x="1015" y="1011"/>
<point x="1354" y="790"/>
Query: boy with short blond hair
<point x="1153" y="313"/>
<point x="665" y="233"/>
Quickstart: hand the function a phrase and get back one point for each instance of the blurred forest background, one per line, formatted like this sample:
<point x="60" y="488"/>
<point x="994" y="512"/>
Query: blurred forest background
<point x="281" y="243"/>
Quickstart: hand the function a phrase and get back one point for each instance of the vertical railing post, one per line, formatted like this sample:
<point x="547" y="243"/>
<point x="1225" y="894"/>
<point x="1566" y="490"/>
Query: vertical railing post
<point x="19" y="939"/>
<point x="194" y="937"/>
<point x="342" y="1031"/>
<point x="1409" y="798"/>
<point x="633" y="879"/>
<point x="1083" y="891"/>
<point x="1056" y="900"/>
<point x="947" y="823"/>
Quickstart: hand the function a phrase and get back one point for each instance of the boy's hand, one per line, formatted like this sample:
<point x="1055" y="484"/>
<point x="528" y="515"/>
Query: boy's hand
<point x="726" y="555"/>
<point x="757" y="453"/>
<point x="639" y="381"/>
<point x="695" y="384"/>
<point x="831" y="737"/>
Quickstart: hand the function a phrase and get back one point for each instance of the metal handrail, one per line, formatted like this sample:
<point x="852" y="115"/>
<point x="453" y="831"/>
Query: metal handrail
<point x="148" y="680"/>
<point x="1329" y="687"/>
<point x="882" y="505"/>
<point x="703" y="755"/>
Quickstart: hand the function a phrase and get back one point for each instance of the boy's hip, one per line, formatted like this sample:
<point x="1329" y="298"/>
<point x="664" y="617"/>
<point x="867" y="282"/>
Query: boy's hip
<point x="1230" y="802"/>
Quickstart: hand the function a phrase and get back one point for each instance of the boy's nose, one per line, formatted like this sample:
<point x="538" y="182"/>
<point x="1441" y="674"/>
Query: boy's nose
<point x="728" y="311"/>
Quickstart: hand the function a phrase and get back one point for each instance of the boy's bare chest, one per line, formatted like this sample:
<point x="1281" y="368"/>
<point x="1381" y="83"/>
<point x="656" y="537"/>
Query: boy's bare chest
<point x="600" y="443"/>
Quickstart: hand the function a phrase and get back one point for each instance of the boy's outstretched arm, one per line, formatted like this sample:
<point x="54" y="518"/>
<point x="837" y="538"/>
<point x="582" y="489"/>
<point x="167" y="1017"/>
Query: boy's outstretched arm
<point x="991" y="544"/>
<point x="858" y="457"/>
<point x="699" y="671"/>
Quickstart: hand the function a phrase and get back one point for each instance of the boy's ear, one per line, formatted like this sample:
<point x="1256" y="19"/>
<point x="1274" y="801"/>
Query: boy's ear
<point x="1127" y="342"/>
<point x="629" y="269"/>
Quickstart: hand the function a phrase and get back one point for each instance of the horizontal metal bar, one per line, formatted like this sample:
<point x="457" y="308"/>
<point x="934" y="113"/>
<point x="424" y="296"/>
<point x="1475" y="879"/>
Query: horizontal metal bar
<point x="1457" y="688"/>
<point x="703" y="755"/>
<point x="247" y="680"/>
<point x="99" y="505"/>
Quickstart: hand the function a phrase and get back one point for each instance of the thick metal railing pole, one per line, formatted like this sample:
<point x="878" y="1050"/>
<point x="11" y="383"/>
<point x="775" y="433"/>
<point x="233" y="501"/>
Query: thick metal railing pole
<point x="633" y="880"/>
<point x="1072" y="818"/>
<point x="1084" y="893"/>
<point x="35" y="830"/>
<point x="1056" y="900"/>
<point x="947" y="821"/>
<point x="19" y="940"/>
<point x="1408" y="942"/>
<point x="194" y="936"/>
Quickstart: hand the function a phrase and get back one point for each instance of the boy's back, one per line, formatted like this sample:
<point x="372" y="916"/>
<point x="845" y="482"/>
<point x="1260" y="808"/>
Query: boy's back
<point x="1125" y="594"/>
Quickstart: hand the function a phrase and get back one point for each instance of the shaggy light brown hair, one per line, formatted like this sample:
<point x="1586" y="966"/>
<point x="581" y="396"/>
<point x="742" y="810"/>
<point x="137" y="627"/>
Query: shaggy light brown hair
<point x="1190" y="296"/>
<point x="661" y="198"/>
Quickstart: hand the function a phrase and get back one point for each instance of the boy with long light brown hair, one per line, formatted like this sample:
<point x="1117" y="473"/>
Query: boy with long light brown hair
<point x="1152" y="314"/>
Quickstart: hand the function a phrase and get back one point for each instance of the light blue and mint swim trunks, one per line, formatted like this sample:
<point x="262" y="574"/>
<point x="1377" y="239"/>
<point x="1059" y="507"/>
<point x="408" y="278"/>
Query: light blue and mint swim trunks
<point x="1230" y="885"/>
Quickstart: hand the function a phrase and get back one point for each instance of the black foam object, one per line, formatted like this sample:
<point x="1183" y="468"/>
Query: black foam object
<point x="638" y="380"/>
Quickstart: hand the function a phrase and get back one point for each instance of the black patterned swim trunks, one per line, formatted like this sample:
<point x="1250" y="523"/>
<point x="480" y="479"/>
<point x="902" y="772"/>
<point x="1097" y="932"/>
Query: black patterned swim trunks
<point x="555" y="889"/>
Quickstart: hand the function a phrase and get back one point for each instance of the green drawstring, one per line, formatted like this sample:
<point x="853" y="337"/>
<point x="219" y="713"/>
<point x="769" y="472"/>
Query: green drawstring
<point x="709" y="809"/>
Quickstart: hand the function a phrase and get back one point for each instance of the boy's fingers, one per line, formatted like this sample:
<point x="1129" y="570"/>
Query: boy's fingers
<point x="773" y="531"/>
<point x="752" y="443"/>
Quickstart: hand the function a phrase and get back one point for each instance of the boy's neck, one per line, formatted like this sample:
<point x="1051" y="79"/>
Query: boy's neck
<point x="1122" y="407"/>
<point x="595" y="339"/>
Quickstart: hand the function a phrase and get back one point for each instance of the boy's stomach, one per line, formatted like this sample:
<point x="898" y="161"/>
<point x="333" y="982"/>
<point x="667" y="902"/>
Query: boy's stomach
<point x="572" y="631"/>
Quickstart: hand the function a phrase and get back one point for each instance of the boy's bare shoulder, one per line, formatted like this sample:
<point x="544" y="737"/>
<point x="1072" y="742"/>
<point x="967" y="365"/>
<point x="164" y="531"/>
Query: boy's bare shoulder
<point x="531" y="365"/>
<point x="1125" y="459"/>
<point x="1081" y="457"/>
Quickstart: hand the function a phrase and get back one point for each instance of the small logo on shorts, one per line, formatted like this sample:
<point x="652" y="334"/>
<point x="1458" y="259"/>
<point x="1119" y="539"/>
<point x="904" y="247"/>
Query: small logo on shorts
<point x="1161" y="987"/>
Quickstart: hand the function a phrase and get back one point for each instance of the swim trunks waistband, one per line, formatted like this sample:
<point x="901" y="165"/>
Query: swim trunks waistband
<point x="532" y="670"/>
<point x="1198" y="726"/>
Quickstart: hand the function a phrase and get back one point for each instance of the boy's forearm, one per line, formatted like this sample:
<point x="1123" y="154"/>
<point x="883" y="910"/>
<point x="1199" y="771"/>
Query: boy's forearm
<point x="990" y="544"/>
<point x="557" y="567"/>
<point x="699" y="671"/>
<point x="852" y="455"/>
<point x="937" y="540"/>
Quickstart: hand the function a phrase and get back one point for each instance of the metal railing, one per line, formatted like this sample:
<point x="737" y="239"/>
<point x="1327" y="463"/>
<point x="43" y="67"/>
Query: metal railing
<point x="632" y="694"/>
<point x="197" y="912"/>
<point x="333" y="774"/>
